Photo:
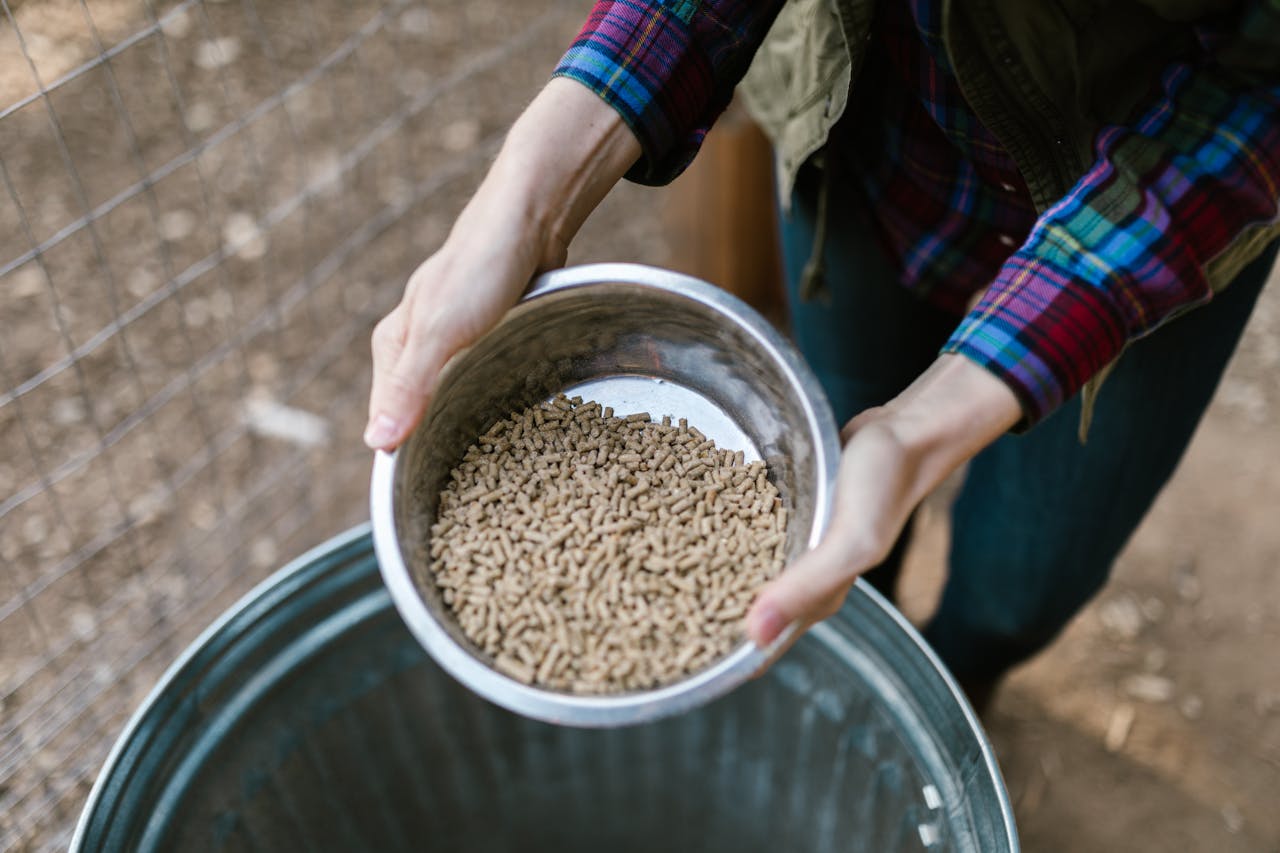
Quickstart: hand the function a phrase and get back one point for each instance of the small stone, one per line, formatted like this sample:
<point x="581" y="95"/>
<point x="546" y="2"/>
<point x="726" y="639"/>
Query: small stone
<point x="415" y="21"/>
<point x="1149" y="688"/>
<point x="263" y="553"/>
<point x="103" y="672"/>
<point x="273" y="419"/>
<point x="217" y="53"/>
<point x="1118" y="726"/>
<point x="177" y="224"/>
<point x="176" y="25"/>
<point x="142" y="281"/>
<point x="55" y="546"/>
<point x="67" y="411"/>
<point x="324" y="172"/>
<point x="201" y="116"/>
<point x="147" y="507"/>
<point x="1191" y="706"/>
<point x="1155" y="660"/>
<point x="26" y="281"/>
<point x="242" y="236"/>
<point x="1121" y="617"/>
<point x="1232" y="817"/>
<point x="35" y="529"/>
<point x="52" y="56"/>
<point x="82" y="623"/>
<point x="460" y="135"/>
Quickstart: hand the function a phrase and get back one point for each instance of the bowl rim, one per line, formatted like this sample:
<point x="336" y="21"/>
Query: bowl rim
<point x="641" y="706"/>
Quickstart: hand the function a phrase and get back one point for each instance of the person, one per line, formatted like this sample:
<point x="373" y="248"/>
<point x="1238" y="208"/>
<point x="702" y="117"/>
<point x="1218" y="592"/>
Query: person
<point x="988" y="209"/>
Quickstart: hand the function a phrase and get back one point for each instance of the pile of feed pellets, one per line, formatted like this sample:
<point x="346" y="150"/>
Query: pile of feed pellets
<point x="595" y="554"/>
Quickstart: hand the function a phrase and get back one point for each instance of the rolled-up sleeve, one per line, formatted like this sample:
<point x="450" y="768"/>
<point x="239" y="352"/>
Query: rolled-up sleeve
<point x="1130" y="246"/>
<point x="669" y="68"/>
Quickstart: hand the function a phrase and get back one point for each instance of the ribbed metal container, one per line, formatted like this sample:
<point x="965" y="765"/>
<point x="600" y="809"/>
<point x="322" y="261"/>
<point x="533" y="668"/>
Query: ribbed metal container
<point x="308" y="718"/>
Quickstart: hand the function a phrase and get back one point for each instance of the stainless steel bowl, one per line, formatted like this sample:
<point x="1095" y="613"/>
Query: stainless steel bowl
<point x="638" y="339"/>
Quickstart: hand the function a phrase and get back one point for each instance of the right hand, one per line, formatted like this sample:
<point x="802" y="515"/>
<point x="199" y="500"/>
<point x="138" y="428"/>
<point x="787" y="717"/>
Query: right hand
<point x="562" y="156"/>
<point x="894" y="455"/>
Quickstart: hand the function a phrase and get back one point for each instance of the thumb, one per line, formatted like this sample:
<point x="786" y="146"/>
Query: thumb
<point x="809" y="591"/>
<point x="402" y="385"/>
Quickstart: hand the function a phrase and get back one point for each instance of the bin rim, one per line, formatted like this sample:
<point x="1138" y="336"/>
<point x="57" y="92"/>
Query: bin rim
<point x="829" y="634"/>
<point x="174" y="670"/>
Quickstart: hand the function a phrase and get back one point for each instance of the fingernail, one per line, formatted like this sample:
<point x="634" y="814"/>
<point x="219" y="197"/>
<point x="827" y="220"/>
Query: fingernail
<point x="380" y="432"/>
<point x="766" y="624"/>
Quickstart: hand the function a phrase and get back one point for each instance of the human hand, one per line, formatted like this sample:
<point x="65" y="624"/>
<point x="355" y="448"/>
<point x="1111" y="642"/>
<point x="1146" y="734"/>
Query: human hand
<point x="893" y="457"/>
<point x="453" y="298"/>
<point x="561" y="157"/>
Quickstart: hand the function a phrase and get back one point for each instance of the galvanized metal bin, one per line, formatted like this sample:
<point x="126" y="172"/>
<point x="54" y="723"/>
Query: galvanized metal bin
<point x="308" y="718"/>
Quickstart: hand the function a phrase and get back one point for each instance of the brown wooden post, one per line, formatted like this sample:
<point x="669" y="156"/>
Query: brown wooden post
<point x="720" y="216"/>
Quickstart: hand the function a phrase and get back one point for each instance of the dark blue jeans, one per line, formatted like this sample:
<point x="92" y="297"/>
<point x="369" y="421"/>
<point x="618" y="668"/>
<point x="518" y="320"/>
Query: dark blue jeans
<point x="1041" y="517"/>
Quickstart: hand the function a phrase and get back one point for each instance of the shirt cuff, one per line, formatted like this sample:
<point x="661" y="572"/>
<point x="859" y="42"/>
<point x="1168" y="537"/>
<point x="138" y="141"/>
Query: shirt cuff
<point x="640" y="58"/>
<point x="1042" y="331"/>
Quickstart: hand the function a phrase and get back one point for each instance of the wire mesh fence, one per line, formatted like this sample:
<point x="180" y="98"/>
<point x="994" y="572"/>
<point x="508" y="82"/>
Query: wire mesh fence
<point x="205" y="207"/>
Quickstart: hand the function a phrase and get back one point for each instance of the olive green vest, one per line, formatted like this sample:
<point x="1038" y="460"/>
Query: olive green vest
<point x="1043" y="77"/>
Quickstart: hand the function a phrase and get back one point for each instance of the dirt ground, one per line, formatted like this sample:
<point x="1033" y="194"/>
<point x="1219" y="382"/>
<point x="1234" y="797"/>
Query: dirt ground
<point x="183" y="372"/>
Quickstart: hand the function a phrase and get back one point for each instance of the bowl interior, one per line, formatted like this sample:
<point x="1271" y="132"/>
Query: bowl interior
<point x="636" y="348"/>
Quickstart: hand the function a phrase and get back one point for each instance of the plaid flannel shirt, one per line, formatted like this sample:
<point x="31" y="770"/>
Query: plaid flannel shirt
<point x="1122" y="252"/>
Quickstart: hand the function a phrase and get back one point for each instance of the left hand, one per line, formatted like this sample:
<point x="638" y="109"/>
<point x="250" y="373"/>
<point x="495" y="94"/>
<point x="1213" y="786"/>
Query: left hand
<point x="894" y="455"/>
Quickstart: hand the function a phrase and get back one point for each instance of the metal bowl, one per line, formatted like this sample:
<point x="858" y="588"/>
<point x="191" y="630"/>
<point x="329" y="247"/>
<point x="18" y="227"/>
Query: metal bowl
<point x="638" y="339"/>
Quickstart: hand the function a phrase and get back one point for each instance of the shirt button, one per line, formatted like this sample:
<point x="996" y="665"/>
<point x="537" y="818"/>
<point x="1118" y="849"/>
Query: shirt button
<point x="1006" y="240"/>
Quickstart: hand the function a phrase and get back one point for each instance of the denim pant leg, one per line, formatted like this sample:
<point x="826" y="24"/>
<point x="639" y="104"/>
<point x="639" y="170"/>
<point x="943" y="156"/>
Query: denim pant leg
<point x="866" y="337"/>
<point x="1041" y="518"/>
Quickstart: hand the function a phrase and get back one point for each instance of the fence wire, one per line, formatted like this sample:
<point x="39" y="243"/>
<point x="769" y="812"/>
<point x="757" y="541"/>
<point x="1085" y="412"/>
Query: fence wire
<point x="205" y="207"/>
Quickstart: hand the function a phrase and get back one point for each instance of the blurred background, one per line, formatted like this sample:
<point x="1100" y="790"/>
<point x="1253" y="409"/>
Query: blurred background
<point x="205" y="207"/>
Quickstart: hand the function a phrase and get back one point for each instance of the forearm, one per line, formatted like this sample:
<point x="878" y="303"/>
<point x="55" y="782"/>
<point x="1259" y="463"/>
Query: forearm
<point x="560" y="159"/>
